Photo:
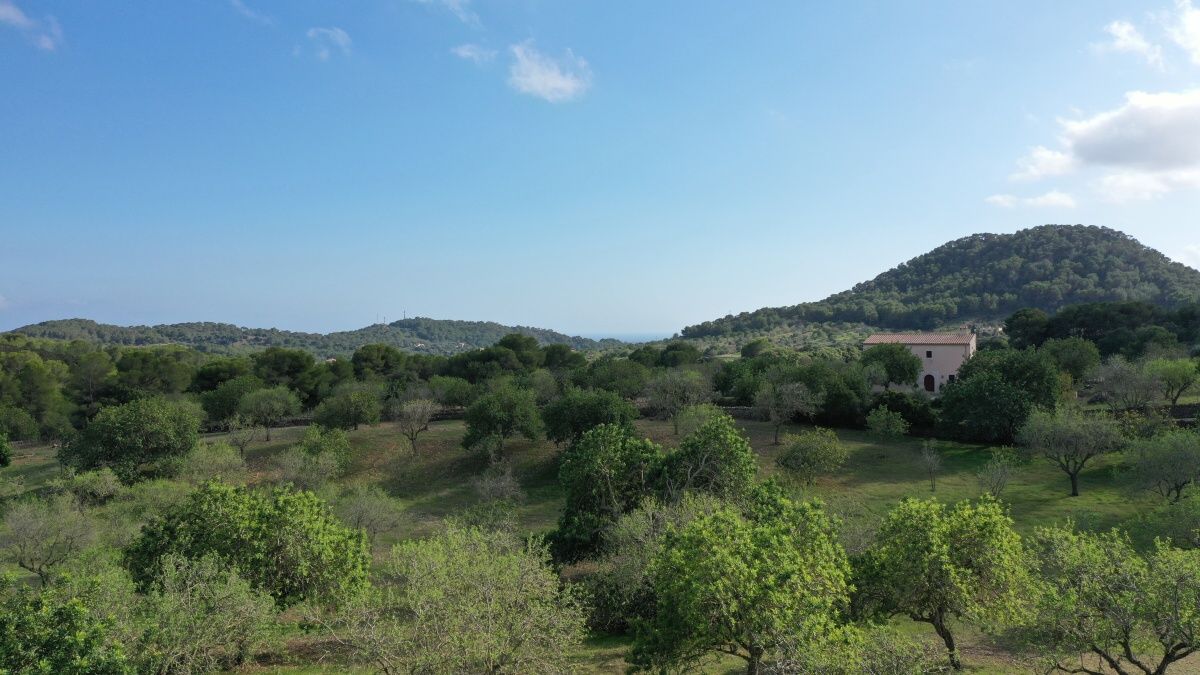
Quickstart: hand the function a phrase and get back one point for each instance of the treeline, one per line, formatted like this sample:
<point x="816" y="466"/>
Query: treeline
<point x="422" y="335"/>
<point x="988" y="276"/>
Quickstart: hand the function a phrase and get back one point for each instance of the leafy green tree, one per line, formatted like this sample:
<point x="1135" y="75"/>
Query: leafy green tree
<point x="1167" y="463"/>
<point x="202" y="617"/>
<point x="932" y="563"/>
<point x="1174" y="376"/>
<point x="40" y="635"/>
<point x="213" y="461"/>
<point x="716" y="458"/>
<point x="578" y="411"/>
<point x="622" y="376"/>
<point x="781" y="402"/>
<point x="744" y="585"/>
<point x="755" y="348"/>
<point x="127" y="436"/>
<point x="466" y="601"/>
<point x="1026" y="327"/>
<point x="886" y="425"/>
<point x="213" y="374"/>
<point x="916" y="409"/>
<point x="1030" y="371"/>
<point x="5" y="450"/>
<point x="222" y="402"/>
<point x="378" y="362"/>
<point x="42" y="534"/>
<point x="984" y="408"/>
<point x="1130" y="612"/>
<point x="370" y="509"/>
<point x="1125" y="385"/>
<point x="678" y="353"/>
<point x="148" y="371"/>
<point x="284" y="542"/>
<point x="497" y="416"/>
<point x="349" y="406"/>
<point x="282" y="367"/>
<point x="673" y="390"/>
<point x="562" y="358"/>
<point x="899" y="364"/>
<point x="91" y="374"/>
<point x="525" y="347"/>
<point x="1070" y="439"/>
<point x="811" y="453"/>
<point x="268" y="407"/>
<point x="607" y="472"/>
<point x="1074" y="356"/>
<point x="329" y="441"/>
<point x="692" y="417"/>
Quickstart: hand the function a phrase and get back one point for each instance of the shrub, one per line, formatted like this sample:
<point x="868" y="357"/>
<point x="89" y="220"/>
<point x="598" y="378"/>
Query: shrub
<point x="128" y="436"/>
<point x="41" y="635"/>
<point x="810" y="453"/>
<point x="886" y="424"/>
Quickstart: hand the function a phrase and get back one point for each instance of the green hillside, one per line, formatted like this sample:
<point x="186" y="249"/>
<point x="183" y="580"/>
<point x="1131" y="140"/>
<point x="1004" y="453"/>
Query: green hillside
<point x="422" y="335"/>
<point x="985" y="277"/>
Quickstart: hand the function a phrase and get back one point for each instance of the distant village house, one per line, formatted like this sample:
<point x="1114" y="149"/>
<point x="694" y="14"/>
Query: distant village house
<point x="941" y="354"/>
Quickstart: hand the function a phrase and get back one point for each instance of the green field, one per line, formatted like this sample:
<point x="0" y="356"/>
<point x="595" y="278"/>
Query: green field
<point x="436" y="483"/>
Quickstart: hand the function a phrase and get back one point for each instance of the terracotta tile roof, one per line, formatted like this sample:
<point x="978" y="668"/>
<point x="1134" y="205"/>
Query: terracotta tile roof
<point x="920" y="339"/>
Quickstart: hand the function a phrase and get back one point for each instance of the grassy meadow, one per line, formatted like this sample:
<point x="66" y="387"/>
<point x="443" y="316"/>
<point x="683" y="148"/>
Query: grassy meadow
<point x="436" y="482"/>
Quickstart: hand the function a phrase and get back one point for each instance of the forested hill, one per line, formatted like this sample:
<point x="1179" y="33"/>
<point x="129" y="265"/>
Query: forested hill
<point x="429" y="336"/>
<point x="987" y="277"/>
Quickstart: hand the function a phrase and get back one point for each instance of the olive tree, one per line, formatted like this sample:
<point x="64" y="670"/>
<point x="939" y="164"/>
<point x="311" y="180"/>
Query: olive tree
<point x="780" y="402"/>
<point x="495" y="417"/>
<point x="1174" y="376"/>
<point x="414" y="418"/>
<point x="465" y="601"/>
<point x="810" y="453"/>
<point x="933" y="564"/>
<point x="885" y="424"/>
<point x="743" y="584"/>
<point x="41" y="534"/>
<point x="577" y="411"/>
<point x="268" y="407"/>
<point x="1125" y="385"/>
<point x="1125" y="612"/>
<point x="716" y="458"/>
<point x="1070" y="439"/>
<point x="125" y="437"/>
<point x="369" y="509"/>
<point x="1167" y="463"/>
<point x="673" y="390"/>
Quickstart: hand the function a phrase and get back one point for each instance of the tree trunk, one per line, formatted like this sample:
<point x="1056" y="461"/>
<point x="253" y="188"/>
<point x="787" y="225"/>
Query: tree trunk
<point x="268" y="428"/>
<point x="754" y="661"/>
<point x="777" y="434"/>
<point x="943" y="631"/>
<point x="1074" y="483"/>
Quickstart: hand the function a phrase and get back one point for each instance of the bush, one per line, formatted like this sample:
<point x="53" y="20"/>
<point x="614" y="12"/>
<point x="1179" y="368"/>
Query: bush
<point x="886" y="424"/>
<point x="349" y="406"/>
<point x="91" y="488"/>
<point x="810" y="453"/>
<point x="332" y="442"/>
<point x="916" y="409"/>
<point x="716" y="458"/>
<point x="284" y="542"/>
<point x="213" y="461"/>
<point x="129" y="436"/>
<point x="577" y="411"/>
<point x="5" y="450"/>
<point x="41" y="635"/>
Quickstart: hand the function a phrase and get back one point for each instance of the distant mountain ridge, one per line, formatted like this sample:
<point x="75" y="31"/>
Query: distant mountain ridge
<point x="420" y="335"/>
<point x="987" y="277"/>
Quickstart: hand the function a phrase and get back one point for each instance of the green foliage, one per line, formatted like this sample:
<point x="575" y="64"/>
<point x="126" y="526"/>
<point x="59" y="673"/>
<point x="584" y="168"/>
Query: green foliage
<point x="673" y="390"/>
<point x="716" y="458"/>
<point x="779" y="402"/>
<point x="621" y="376"/>
<point x="692" y="417"/>
<point x="1069" y="439"/>
<point x="31" y="397"/>
<point x="578" y="411"/>
<point x="212" y="461"/>
<point x="1030" y="371"/>
<point x="1130" y="329"/>
<point x="5" y="450"/>
<point x="811" y="453"/>
<point x="42" y="534"/>
<point x="223" y="402"/>
<point x="755" y="348"/>
<point x="128" y="436"/>
<point x="744" y="585"/>
<point x="1174" y="376"/>
<point x="497" y="416"/>
<point x="284" y="542"/>
<point x="899" y="364"/>
<point x="916" y="409"/>
<point x="1026" y="327"/>
<point x="605" y="473"/>
<point x="1167" y="463"/>
<point x="42" y="636"/>
<point x="330" y="442"/>
<point x="985" y="408"/>
<point x="281" y="367"/>
<point x="268" y="407"/>
<point x="452" y="391"/>
<point x="90" y="488"/>
<point x="1124" y="385"/>
<point x="466" y="601"/>
<point x="368" y="508"/>
<point x="931" y="563"/>
<point x="1074" y="356"/>
<point x="156" y="370"/>
<point x="1097" y="595"/>
<point x="202" y="617"/>
<point x="885" y="424"/>
<point x="349" y="406"/>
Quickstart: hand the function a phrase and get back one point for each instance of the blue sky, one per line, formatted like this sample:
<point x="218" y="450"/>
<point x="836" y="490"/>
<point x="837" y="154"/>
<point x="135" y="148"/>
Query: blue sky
<point x="594" y="167"/>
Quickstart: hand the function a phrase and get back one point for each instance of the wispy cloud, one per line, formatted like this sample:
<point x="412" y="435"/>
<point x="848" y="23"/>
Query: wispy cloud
<point x="1042" y="162"/>
<point x="46" y="34"/>
<point x="553" y="80"/>
<point x="1127" y="39"/>
<point x="459" y="8"/>
<point x="328" y="40"/>
<point x="1185" y="29"/>
<point x="1052" y="199"/>
<point x="4" y="304"/>
<point x="252" y="14"/>
<point x="474" y="53"/>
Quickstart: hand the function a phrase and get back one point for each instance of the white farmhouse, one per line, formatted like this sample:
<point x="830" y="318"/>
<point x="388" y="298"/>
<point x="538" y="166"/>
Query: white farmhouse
<point x="941" y="354"/>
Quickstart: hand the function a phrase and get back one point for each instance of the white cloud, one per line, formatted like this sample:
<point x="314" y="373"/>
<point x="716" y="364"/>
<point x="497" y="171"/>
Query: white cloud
<point x="326" y="40"/>
<point x="474" y="53"/>
<point x="46" y="34"/>
<point x="459" y="8"/>
<point x="1041" y="162"/>
<point x="1052" y="199"/>
<point x="1127" y="39"/>
<point x="252" y="14"/>
<point x="1120" y="187"/>
<point x="1186" y="29"/>
<point x="555" y="80"/>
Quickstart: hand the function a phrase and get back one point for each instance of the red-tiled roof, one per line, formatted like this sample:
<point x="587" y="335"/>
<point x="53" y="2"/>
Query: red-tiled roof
<point x="920" y="339"/>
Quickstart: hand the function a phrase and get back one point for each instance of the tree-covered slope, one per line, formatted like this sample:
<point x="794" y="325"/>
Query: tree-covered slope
<point x="987" y="277"/>
<point x="431" y="336"/>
